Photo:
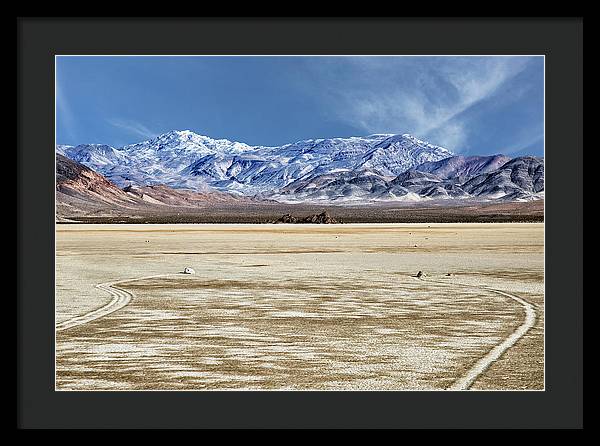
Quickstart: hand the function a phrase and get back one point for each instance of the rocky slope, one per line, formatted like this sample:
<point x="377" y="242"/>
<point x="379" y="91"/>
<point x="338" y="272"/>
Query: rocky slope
<point x="479" y="178"/>
<point x="517" y="179"/>
<point x="81" y="191"/>
<point x="75" y="181"/>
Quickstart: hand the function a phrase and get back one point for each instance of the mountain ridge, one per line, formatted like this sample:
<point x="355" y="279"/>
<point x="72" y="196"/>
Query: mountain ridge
<point x="378" y="167"/>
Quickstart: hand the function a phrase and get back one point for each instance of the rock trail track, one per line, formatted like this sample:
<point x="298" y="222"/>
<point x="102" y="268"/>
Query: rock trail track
<point x="120" y="299"/>
<point x="466" y="381"/>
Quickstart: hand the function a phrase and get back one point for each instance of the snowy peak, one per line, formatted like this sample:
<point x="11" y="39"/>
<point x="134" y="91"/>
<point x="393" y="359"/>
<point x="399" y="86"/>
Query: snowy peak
<point x="398" y="153"/>
<point x="187" y="141"/>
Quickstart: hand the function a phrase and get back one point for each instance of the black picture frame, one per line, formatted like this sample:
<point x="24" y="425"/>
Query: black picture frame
<point x="559" y="406"/>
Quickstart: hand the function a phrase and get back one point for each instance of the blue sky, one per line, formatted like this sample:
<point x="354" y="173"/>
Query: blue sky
<point x="471" y="105"/>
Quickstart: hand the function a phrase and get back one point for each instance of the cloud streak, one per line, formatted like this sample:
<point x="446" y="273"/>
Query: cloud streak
<point x="133" y="127"/>
<point x="425" y="97"/>
<point x="65" y="119"/>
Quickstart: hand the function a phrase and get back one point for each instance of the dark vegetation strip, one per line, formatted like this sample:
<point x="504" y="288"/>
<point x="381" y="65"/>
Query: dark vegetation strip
<point x="206" y="218"/>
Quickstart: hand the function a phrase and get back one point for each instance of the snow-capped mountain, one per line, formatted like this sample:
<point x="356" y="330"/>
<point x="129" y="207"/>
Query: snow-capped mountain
<point x="380" y="167"/>
<point x="184" y="159"/>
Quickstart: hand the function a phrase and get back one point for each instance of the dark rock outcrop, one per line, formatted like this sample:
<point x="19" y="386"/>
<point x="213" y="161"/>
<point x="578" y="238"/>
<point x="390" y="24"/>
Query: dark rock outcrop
<point x="287" y="218"/>
<point x="322" y="218"/>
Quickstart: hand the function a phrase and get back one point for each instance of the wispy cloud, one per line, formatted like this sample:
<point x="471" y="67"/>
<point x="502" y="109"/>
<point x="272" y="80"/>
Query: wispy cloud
<point x="65" y="120"/>
<point x="133" y="127"/>
<point x="531" y="140"/>
<point x="424" y="97"/>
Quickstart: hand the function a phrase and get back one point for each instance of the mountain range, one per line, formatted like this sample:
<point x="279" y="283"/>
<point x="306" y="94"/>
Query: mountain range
<point x="374" y="168"/>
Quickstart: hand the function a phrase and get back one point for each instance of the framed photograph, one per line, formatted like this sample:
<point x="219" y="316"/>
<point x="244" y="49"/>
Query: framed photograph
<point x="294" y="226"/>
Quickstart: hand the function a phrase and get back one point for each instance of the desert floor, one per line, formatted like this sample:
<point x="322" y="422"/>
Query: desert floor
<point x="319" y="307"/>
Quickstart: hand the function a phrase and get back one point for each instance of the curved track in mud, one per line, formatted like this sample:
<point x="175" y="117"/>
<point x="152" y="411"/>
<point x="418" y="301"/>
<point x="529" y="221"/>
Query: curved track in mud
<point x="467" y="380"/>
<point x="120" y="299"/>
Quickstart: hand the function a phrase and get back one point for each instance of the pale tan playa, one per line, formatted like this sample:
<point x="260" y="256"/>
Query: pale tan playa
<point x="299" y="306"/>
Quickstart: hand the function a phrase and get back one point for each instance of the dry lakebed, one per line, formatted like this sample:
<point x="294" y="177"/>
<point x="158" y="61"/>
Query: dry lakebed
<point x="300" y="307"/>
